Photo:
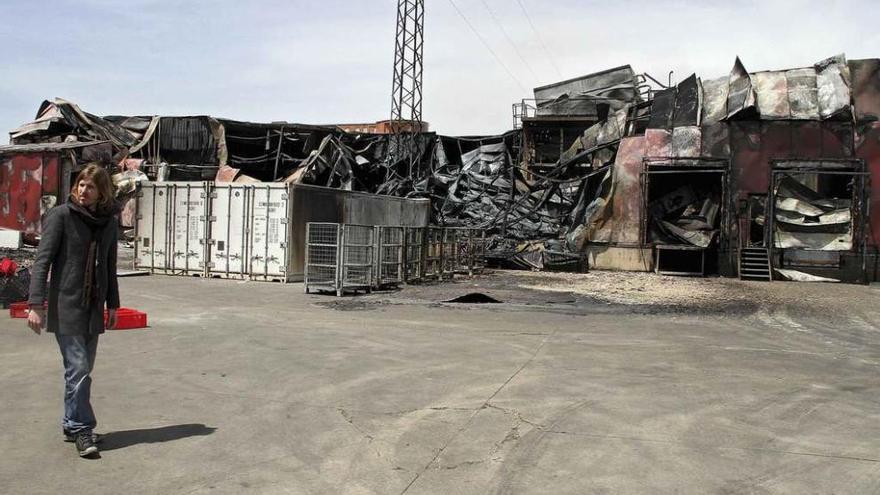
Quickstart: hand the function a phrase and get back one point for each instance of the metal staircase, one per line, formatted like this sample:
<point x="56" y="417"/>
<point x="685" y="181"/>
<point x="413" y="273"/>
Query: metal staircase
<point x="754" y="264"/>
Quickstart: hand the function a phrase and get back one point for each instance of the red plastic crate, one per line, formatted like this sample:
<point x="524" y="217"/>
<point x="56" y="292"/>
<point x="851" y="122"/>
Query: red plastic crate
<point x="128" y="319"/>
<point x="20" y="309"/>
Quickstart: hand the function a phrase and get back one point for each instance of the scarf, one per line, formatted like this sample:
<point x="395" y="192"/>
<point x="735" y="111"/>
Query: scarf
<point x="96" y="222"/>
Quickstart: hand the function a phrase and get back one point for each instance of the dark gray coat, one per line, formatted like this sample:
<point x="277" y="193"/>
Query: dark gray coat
<point x="63" y="247"/>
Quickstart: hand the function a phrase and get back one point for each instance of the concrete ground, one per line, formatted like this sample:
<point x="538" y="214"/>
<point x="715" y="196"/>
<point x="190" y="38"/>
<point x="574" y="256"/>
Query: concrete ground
<point x="259" y="388"/>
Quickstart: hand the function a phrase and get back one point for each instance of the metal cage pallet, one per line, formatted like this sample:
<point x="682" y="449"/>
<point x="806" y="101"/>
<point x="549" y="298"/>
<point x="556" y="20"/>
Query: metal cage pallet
<point x="339" y="257"/>
<point x="389" y="266"/>
<point x="323" y="249"/>
<point x="414" y="242"/>
<point x="432" y="267"/>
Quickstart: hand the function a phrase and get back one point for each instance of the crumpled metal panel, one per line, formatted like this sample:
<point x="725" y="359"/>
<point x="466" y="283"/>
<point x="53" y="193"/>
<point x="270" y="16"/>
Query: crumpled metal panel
<point x="686" y="142"/>
<point x="772" y="92"/>
<point x="802" y="94"/>
<point x="659" y="142"/>
<point x="832" y="83"/>
<point x="580" y="95"/>
<point x="741" y="98"/>
<point x="687" y="103"/>
<point x="865" y="76"/>
<point x="715" y="100"/>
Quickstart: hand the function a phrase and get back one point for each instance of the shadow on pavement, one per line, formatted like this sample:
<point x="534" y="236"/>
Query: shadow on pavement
<point x="120" y="439"/>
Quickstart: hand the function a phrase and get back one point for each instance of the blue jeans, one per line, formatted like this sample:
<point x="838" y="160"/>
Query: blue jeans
<point x="78" y="352"/>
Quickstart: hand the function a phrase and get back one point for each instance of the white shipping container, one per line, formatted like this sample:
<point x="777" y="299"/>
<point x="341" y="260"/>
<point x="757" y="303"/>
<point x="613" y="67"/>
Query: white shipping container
<point x="249" y="231"/>
<point x="171" y="228"/>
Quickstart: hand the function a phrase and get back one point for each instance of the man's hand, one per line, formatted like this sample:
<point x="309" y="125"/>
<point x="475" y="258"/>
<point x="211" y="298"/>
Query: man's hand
<point x="37" y="319"/>
<point x="111" y="319"/>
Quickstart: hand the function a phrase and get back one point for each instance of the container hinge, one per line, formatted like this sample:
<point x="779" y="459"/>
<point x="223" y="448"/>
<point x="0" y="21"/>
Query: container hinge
<point x="284" y="196"/>
<point x="213" y="194"/>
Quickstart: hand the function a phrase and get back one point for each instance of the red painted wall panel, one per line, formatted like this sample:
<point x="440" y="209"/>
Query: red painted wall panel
<point x="24" y="179"/>
<point x="868" y="149"/>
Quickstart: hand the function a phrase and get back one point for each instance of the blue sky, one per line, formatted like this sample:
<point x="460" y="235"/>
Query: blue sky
<point x="330" y="61"/>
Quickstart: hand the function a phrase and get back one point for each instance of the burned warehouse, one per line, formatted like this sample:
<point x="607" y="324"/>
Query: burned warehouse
<point x="759" y="175"/>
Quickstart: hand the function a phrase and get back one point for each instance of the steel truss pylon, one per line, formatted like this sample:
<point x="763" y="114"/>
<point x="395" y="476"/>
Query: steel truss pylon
<point x="406" y="92"/>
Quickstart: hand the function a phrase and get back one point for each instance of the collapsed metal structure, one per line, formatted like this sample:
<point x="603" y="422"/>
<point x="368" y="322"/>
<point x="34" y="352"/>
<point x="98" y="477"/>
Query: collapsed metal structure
<point x="613" y="167"/>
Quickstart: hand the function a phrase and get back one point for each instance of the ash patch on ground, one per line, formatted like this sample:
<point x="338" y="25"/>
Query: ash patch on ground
<point x="607" y="292"/>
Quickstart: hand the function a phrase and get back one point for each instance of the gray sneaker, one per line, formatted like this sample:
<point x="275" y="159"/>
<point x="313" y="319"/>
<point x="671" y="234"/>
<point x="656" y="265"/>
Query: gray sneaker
<point x="85" y="446"/>
<point x="71" y="437"/>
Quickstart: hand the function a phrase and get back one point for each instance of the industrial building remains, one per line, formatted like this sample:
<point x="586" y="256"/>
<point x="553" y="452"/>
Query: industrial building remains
<point x="752" y="174"/>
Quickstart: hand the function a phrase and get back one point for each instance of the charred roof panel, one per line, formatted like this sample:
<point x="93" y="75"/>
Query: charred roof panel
<point x="687" y="102"/>
<point x="580" y="96"/>
<point x="741" y="99"/>
<point x="715" y="100"/>
<point x="802" y="94"/>
<point x="832" y="83"/>
<point x="772" y="94"/>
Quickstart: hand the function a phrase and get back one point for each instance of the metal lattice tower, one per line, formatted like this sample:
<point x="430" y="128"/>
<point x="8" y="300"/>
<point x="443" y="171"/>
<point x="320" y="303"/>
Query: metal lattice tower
<point x="406" y="92"/>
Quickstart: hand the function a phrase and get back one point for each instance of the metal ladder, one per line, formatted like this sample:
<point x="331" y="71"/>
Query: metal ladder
<point x="754" y="264"/>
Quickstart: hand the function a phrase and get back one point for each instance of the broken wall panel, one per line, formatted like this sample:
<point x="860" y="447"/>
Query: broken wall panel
<point x="865" y="76"/>
<point x="623" y="228"/>
<point x="715" y="140"/>
<point x="686" y="142"/>
<point x="659" y="142"/>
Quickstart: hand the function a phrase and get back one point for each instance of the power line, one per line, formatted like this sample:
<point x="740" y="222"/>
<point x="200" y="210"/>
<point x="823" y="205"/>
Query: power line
<point x="486" y="44"/>
<point x="538" y="35"/>
<point x="509" y="40"/>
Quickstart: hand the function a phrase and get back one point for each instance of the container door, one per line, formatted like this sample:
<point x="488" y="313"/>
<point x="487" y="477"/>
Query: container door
<point x="269" y="232"/>
<point x="151" y="228"/>
<point x="228" y="230"/>
<point x="189" y="228"/>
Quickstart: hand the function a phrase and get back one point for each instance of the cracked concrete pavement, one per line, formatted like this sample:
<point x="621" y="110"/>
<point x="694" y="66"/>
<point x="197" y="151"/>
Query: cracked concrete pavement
<point x="259" y="388"/>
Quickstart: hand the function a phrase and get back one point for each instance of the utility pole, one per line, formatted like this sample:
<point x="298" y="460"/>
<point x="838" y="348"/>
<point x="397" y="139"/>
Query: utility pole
<point x="406" y="88"/>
